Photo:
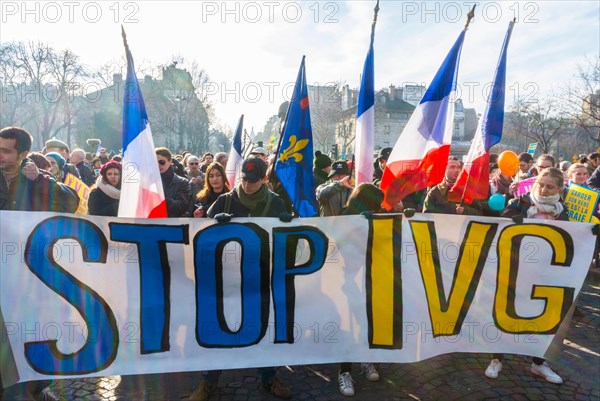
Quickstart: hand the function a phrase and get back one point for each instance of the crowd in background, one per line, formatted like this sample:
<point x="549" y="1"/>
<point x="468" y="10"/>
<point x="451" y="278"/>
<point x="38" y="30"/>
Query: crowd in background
<point x="196" y="186"/>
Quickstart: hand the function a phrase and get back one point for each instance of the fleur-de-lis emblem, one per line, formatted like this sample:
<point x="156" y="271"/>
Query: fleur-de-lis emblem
<point x="294" y="150"/>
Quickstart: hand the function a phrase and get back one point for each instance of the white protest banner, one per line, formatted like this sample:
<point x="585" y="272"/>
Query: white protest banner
<point x="94" y="296"/>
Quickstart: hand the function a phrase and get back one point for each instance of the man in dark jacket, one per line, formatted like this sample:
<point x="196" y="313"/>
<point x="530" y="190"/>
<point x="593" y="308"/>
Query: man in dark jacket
<point x="177" y="189"/>
<point x="22" y="185"/>
<point x="437" y="201"/>
<point x="333" y="195"/>
<point x="85" y="172"/>
<point x="250" y="198"/>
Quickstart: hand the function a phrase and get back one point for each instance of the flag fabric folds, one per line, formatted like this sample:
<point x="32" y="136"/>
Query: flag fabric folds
<point x="295" y="153"/>
<point x="419" y="157"/>
<point x="234" y="162"/>
<point x="142" y="192"/>
<point x="473" y="181"/>
<point x="364" y="145"/>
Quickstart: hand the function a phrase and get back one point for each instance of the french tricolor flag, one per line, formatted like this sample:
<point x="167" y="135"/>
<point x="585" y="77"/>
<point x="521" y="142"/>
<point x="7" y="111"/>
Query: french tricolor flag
<point x="142" y="194"/>
<point x="420" y="155"/>
<point x="473" y="181"/>
<point x="365" y="116"/>
<point x="235" y="159"/>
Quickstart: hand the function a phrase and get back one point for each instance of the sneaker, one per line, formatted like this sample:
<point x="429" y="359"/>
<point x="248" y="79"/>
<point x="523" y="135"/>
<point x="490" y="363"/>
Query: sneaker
<point x="346" y="384"/>
<point x="202" y="392"/>
<point x="493" y="369"/>
<point x="370" y="372"/>
<point x="278" y="389"/>
<point x="47" y="394"/>
<point x="547" y="373"/>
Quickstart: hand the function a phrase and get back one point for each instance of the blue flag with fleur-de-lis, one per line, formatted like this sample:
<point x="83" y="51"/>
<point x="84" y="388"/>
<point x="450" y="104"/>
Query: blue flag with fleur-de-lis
<point x="295" y="154"/>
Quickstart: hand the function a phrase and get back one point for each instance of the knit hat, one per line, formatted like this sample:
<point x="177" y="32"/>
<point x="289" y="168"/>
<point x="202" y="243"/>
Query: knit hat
<point x="56" y="143"/>
<point x="107" y="166"/>
<point x="321" y="160"/>
<point x="60" y="161"/>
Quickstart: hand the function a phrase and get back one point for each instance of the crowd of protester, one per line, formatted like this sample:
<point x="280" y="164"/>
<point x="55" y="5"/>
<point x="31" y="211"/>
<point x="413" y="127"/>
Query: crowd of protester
<point x="197" y="186"/>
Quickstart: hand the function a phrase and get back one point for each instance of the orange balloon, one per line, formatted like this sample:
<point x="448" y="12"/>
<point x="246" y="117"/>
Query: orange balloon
<point x="508" y="162"/>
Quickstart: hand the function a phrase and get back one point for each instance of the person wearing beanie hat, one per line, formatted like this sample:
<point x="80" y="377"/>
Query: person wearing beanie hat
<point x="322" y="167"/>
<point x="105" y="195"/>
<point x="57" y="164"/>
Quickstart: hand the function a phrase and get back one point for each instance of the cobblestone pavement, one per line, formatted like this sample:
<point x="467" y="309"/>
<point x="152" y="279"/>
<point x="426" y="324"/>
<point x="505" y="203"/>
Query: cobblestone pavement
<point x="446" y="377"/>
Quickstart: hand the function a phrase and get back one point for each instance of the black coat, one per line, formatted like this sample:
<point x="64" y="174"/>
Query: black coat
<point x="100" y="204"/>
<point x="44" y="194"/>
<point x="86" y="174"/>
<point x="238" y="210"/>
<point x="177" y="194"/>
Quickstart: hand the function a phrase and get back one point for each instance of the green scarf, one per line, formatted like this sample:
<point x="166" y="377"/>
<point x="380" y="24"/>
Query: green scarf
<point x="252" y="201"/>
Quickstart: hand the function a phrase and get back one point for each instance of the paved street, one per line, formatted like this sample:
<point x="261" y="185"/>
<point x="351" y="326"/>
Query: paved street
<point x="446" y="377"/>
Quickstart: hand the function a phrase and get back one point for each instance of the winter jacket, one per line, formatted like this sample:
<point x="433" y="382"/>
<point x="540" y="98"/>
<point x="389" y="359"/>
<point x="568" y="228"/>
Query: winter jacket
<point x="86" y="174"/>
<point x="238" y="210"/>
<point x="41" y="195"/>
<point x="100" y="204"/>
<point x="332" y="198"/>
<point x="177" y="194"/>
<point x="519" y="206"/>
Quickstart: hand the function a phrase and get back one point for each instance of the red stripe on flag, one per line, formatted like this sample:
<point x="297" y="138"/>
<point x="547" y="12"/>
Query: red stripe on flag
<point x="403" y="177"/>
<point x="475" y="176"/>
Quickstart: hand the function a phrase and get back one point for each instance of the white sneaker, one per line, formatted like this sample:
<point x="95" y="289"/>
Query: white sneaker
<point x="547" y="373"/>
<point x="346" y="384"/>
<point x="370" y="372"/>
<point x="47" y="394"/>
<point x="493" y="369"/>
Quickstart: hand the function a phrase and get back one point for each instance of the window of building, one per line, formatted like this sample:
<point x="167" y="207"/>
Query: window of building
<point x="386" y="130"/>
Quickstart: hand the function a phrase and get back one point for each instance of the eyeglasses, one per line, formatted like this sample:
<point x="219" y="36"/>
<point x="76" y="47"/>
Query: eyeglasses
<point x="193" y="164"/>
<point x="162" y="162"/>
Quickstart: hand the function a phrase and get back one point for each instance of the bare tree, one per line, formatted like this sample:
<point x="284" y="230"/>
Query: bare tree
<point x="540" y="121"/>
<point x="582" y="99"/>
<point x="325" y="111"/>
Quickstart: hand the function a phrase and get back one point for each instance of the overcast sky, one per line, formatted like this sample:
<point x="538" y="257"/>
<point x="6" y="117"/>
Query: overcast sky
<point x="252" y="50"/>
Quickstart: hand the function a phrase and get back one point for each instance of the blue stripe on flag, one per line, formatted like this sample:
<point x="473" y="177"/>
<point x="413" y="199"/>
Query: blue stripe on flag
<point x="493" y="118"/>
<point x="444" y="81"/>
<point x="366" y="98"/>
<point x="135" y="118"/>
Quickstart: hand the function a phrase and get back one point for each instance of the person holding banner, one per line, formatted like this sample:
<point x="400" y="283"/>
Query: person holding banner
<point x="104" y="197"/>
<point x="24" y="187"/>
<point x="251" y="198"/>
<point x="543" y="202"/>
<point x="366" y="198"/>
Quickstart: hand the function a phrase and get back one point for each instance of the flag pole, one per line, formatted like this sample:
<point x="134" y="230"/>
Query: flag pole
<point x="374" y="22"/>
<point x="470" y="17"/>
<point x="462" y="199"/>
